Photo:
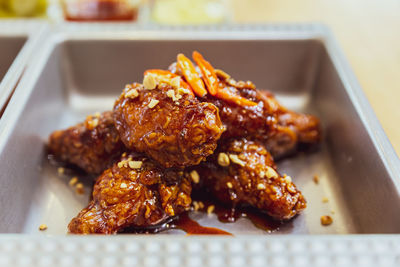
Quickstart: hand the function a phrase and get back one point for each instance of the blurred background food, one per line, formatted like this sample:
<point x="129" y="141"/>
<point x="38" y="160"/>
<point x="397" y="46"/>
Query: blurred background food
<point x="190" y="12"/>
<point x="100" y="10"/>
<point x="22" y="8"/>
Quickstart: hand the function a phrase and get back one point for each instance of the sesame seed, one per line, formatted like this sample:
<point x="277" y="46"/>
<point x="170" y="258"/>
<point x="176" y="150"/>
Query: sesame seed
<point x="42" y="227"/>
<point x="79" y="189"/>
<point x="153" y="103"/>
<point x="316" y="179"/>
<point x="261" y="186"/>
<point x="229" y="185"/>
<point x="235" y="159"/>
<point x="149" y="81"/>
<point x="133" y="93"/>
<point x="60" y="170"/>
<point x="262" y="174"/>
<point x="210" y="209"/>
<point x="123" y="185"/>
<point x="325" y="200"/>
<point x="135" y="164"/>
<point x="97" y="114"/>
<point x="120" y="164"/>
<point x="223" y="159"/>
<point x="195" y="176"/>
<point x="73" y="181"/>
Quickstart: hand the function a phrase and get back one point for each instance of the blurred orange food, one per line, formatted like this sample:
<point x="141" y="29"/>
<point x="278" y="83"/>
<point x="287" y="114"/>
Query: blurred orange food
<point x="100" y="10"/>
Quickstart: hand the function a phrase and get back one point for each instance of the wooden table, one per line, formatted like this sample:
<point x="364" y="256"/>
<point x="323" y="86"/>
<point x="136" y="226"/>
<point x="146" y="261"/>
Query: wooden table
<point x="367" y="30"/>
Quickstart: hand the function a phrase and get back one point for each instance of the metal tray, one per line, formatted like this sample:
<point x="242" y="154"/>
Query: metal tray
<point x="77" y="72"/>
<point x="17" y="39"/>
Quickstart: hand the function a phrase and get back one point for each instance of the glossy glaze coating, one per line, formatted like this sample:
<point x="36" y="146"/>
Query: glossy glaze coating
<point x="251" y="178"/>
<point x="176" y="131"/>
<point x="134" y="192"/>
<point x="93" y="145"/>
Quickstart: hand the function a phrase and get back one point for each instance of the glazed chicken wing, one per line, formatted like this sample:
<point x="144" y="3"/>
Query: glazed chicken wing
<point x="134" y="192"/>
<point x="165" y="121"/>
<point x="93" y="145"/>
<point x="242" y="172"/>
<point x="251" y="113"/>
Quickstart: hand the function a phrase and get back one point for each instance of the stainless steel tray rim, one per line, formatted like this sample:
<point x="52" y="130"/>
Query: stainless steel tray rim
<point x="35" y="32"/>
<point x="364" y="110"/>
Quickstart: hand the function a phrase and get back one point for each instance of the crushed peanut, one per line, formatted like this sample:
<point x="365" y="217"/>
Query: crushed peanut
<point x="153" y="103"/>
<point x="235" y="159"/>
<point x="229" y="185"/>
<point x="195" y="205"/>
<point x="288" y="179"/>
<point x="73" y="181"/>
<point x="133" y="164"/>
<point x="121" y="164"/>
<point x="42" y="227"/>
<point x="149" y="81"/>
<point x="326" y="220"/>
<point x="123" y="185"/>
<point x="171" y="93"/>
<point x="133" y="93"/>
<point x="201" y="205"/>
<point x="195" y="176"/>
<point x="223" y="159"/>
<point x="176" y="82"/>
<point x="325" y="200"/>
<point x="79" y="189"/>
<point x="60" y="170"/>
<point x="183" y="91"/>
<point x="175" y="97"/>
<point x="210" y="209"/>
<point x="316" y="179"/>
<point x="169" y="210"/>
<point x="261" y="186"/>
<point x="270" y="173"/>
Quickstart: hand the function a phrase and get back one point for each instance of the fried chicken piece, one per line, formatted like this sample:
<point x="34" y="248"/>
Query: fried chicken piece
<point x="93" y="145"/>
<point x="304" y="128"/>
<point x="134" y="192"/>
<point x="281" y="130"/>
<point x="167" y="123"/>
<point x="242" y="172"/>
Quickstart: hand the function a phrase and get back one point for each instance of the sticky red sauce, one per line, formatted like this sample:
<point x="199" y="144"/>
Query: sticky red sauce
<point x="99" y="10"/>
<point x="228" y="214"/>
<point x="191" y="227"/>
